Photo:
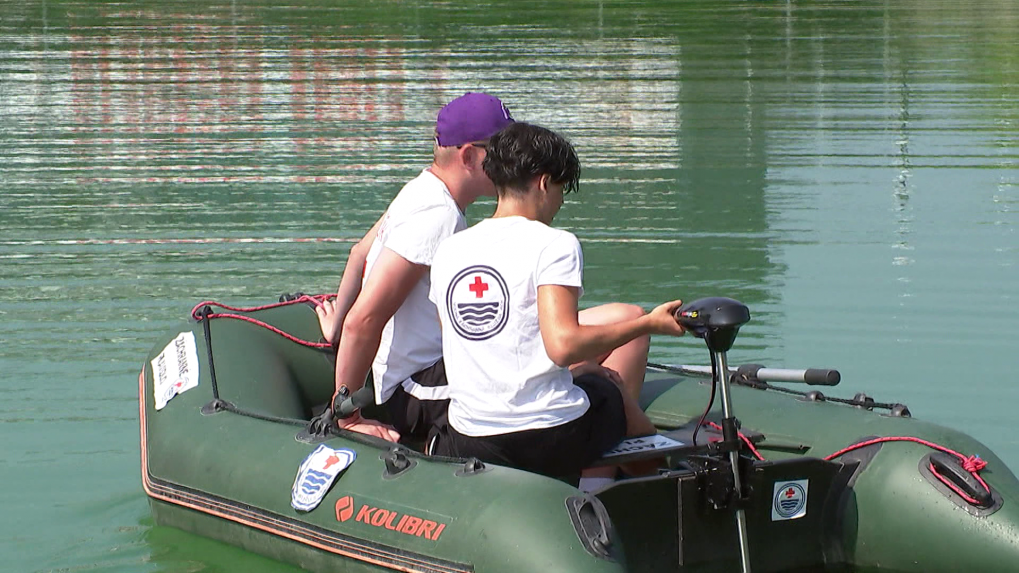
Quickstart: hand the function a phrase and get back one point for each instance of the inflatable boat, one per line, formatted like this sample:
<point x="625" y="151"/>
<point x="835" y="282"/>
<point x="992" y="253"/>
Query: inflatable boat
<point x="772" y="478"/>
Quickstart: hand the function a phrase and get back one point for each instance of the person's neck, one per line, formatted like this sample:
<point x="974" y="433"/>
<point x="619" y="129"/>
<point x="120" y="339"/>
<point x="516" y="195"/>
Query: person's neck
<point x="455" y="184"/>
<point x="512" y="206"/>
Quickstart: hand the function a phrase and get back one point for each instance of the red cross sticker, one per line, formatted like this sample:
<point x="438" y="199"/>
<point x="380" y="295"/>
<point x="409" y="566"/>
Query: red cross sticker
<point x="790" y="492"/>
<point x="478" y="288"/>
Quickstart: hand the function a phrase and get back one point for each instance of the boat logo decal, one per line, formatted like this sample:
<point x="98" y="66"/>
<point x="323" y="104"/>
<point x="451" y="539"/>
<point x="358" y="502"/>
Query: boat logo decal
<point x="316" y="474"/>
<point x="393" y="520"/>
<point x="789" y="500"/>
<point x="175" y="369"/>
<point x="344" y="508"/>
<point x="477" y="302"/>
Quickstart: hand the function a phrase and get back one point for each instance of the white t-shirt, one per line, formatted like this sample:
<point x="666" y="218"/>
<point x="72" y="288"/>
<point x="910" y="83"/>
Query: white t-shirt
<point x="421" y="216"/>
<point x="485" y="284"/>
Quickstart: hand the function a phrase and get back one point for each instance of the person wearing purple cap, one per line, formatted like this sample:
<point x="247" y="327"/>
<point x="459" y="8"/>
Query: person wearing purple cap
<point x="382" y="320"/>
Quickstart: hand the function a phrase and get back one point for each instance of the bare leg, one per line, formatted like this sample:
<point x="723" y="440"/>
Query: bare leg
<point x="630" y="359"/>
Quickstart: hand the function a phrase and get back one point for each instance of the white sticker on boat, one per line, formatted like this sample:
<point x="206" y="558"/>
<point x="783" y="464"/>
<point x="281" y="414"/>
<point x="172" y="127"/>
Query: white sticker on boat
<point x="789" y="500"/>
<point x="316" y="475"/>
<point x="175" y="370"/>
<point x="645" y="443"/>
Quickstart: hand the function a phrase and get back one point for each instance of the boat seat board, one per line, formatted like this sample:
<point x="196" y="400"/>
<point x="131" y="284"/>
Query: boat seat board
<point x="677" y="443"/>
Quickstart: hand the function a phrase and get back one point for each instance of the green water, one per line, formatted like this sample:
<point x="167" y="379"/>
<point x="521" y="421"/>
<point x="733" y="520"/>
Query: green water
<point x="847" y="169"/>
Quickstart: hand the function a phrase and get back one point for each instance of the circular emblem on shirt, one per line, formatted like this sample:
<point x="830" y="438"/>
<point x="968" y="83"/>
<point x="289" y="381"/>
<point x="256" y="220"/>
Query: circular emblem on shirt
<point x="477" y="302"/>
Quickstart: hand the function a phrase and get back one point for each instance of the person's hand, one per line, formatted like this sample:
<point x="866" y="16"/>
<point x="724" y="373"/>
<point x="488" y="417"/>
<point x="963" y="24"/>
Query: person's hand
<point x="663" y="319"/>
<point x="327" y="320"/>
<point x="375" y="428"/>
<point x="596" y="369"/>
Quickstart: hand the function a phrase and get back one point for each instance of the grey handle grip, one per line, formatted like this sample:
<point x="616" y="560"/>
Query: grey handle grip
<point x="811" y="376"/>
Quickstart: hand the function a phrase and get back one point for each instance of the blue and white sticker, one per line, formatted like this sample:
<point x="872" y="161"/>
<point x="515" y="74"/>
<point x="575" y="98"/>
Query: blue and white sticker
<point x="175" y="369"/>
<point x="316" y="475"/>
<point x="477" y="301"/>
<point x="790" y="500"/>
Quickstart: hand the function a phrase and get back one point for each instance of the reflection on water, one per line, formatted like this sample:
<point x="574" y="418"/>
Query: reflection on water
<point x="849" y="172"/>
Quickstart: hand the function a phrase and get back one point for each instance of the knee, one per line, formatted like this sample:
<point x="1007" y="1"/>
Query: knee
<point x="611" y="313"/>
<point x="627" y="311"/>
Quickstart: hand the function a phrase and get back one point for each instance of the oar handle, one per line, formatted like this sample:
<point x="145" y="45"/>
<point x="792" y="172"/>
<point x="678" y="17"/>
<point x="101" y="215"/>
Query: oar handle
<point x="811" y="376"/>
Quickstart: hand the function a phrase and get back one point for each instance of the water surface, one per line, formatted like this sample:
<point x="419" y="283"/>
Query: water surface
<point x="848" y="170"/>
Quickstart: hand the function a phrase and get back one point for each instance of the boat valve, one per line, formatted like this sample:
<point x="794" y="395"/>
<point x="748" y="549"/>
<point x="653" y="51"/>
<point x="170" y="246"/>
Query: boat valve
<point x="471" y="467"/>
<point x="397" y="462"/>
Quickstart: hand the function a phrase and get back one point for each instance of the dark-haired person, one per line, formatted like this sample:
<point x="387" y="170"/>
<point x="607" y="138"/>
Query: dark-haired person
<point x="532" y="385"/>
<point x="384" y="321"/>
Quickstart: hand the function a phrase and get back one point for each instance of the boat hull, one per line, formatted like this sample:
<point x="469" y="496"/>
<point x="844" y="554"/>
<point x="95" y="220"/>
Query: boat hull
<point x="227" y="473"/>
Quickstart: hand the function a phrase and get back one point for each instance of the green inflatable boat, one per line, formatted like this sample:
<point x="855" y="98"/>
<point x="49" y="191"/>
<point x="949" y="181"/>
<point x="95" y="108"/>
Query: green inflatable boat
<point x="792" y="481"/>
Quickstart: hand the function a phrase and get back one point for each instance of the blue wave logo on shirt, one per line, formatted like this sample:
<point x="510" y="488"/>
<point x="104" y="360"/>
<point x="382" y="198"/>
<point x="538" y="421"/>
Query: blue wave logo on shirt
<point x="477" y="302"/>
<point x="478" y="313"/>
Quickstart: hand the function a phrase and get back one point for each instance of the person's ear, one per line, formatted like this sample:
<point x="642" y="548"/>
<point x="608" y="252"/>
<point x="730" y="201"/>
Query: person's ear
<point x="470" y="156"/>
<point x="543" y="181"/>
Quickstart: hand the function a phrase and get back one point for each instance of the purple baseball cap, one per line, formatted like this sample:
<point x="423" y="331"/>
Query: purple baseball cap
<point x="470" y="117"/>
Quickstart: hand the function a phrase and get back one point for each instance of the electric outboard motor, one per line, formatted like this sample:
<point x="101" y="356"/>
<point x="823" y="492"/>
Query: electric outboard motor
<point x="715" y="319"/>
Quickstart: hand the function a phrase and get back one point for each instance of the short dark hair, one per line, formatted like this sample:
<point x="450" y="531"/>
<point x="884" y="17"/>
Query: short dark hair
<point x="522" y="151"/>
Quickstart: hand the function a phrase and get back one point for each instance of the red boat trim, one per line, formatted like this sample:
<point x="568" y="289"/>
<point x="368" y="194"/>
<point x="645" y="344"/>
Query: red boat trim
<point x="282" y="526"/>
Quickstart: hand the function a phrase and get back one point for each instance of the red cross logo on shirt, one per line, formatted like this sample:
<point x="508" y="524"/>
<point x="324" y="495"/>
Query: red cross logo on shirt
<point x="478" y="288"/>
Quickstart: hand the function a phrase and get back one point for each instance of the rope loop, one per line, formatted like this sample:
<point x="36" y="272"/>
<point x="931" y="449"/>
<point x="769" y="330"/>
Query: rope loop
<point x="203" y="311"/>
<point x="973" y="464"/>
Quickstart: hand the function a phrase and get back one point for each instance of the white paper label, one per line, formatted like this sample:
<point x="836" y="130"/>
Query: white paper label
<point x="644" y="443"/>
<point x="175" y="370"/>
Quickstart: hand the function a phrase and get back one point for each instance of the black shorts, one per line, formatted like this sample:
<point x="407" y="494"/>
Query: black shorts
<point x="414" y="417"/>
<point x="559" y="451"/>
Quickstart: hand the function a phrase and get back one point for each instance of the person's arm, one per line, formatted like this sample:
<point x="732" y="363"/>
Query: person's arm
<point x="567" y="342"/>
<point x="390" y="282"/>
<point x="332" y="313"/>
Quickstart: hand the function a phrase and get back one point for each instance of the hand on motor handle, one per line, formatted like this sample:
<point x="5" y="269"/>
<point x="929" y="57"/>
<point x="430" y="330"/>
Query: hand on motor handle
<point x="664" y="320"/>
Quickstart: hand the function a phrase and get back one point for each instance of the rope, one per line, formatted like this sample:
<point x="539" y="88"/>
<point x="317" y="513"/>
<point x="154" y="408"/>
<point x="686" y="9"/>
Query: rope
<point x="742" y="436"/>
<point x="202" y="312"/>
<point x="972" y="464"/>
<point x="198" y="314"/>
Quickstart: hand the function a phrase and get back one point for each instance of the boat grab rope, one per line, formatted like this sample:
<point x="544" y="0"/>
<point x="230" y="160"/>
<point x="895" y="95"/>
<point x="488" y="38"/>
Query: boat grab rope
<point x="199" y="312"/>
<point x="972" y="464"/>
<point x="202" y="312"/>
<point x="742" y="436"/>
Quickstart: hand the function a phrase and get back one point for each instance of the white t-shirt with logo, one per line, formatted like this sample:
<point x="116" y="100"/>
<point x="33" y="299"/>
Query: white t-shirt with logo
<point x="485" y="285"/>
<point x="421" y="216"/>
